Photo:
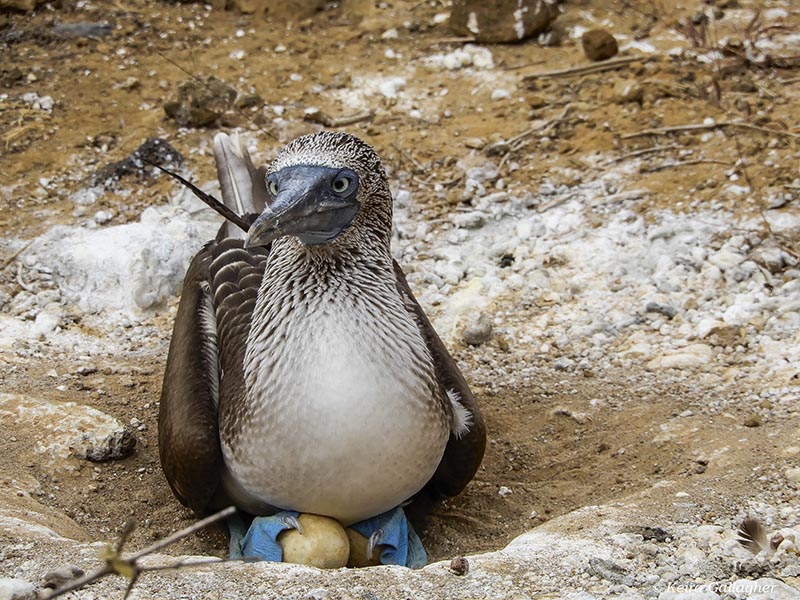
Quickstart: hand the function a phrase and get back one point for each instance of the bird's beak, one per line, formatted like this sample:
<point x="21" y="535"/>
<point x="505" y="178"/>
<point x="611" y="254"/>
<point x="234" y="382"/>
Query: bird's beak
<point x="306" y="206"/>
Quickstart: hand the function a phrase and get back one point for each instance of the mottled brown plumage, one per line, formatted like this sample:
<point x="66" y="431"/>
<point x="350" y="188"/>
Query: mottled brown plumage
<point x="305" y="375"/>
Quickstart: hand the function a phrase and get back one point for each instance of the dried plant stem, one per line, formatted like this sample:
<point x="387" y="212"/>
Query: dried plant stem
<point x="687" y="163"/>
<point x="642" y="152"/>
<point x="600" y="67"/>
<point x="328" y="121"/>
<point x="130" y="568"/>
<point x="704" y="126"/>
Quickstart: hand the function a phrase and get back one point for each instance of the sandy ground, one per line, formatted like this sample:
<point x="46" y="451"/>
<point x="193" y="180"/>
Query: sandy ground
<point x="559" y="439"/>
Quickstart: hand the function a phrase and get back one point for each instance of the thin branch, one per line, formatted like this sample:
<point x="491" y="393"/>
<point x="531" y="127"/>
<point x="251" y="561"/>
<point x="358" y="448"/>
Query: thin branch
<point x="465" y="39"/>
<point x="641" y="152"/>
<point x="127" y="530"/>
<point x="179" y="535"/>
<point x="317" y="116"/>
<point x="129" y="567"/>
<point x="175" y="64"/>
<point x="192" y="563"/>
<point x="522" y="66"/>
<point x="418" y="165"/>
<point x="687" y="163"/>
<point x="521" y="140"/>
<point x="764" y="129"/>
<point x="14" y="256"/>
<point x="704" y="126"/>
<point x="21" y="282"/>
<point x="131" y="583"/>
<point x="608" y="65"/>
<point x="79" y="583"/>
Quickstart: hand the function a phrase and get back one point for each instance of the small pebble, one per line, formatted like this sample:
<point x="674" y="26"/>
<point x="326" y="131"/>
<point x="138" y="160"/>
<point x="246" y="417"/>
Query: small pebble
<point x="46" y="323"/>
<point x="471" y="220"/>
<point x="661" y="309"/>
<point x="563" y="364"/>
<point x="598" y="44"/>
<point x="793" y="475"/>
<point x="59" y="577"/>
<point x="459" y="565"/>
<point x="753" y="420"/>
<point x="475" y="143"/>
<point x="101" y="217"/>
<point x="131" y="83"/>
<point x="16" y="589"/>
<point x="479" y="332"/>
<point x="628" y="90"/>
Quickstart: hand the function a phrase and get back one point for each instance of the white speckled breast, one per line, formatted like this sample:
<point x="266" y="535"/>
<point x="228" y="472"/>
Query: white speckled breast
<point x="348" y="420"/>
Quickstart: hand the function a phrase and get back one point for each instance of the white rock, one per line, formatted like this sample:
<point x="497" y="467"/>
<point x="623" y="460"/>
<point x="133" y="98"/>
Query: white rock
<point x="694" y="355"/>
<point x="130" y="268"/>
<point x="698" y="594"/>
<point x="761" y="589"/>
<point x="47" y="322"/>
<point x="16" y="589"/>
<point x="471" y="220"/>
<point x="725" y="259"/>
<point x="101" y="217"/>
<point x="793" y="475"/>
<point x="708" y="533"/>
<point x="468" y="56"/>
<point x="706" y="326"/>
<point x="628" y="541"/>
<point x="65" y="429"/>
<point x="391" y="86"/>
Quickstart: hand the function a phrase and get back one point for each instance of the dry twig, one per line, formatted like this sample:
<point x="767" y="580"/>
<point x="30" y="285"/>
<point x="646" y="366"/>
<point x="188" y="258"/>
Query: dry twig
<point x="521" y="140"/>
<point x="641" y="152"/>
<point x="687" y="163"/>
<point x="704" y="126"/>
<point x="325" y="119"/>
<point x="14" y="256"/>
<point x="608" y="65"/>
<point x="130" y="567"/>
<point x="464" y="39"/>
<point x="417" y="165"/>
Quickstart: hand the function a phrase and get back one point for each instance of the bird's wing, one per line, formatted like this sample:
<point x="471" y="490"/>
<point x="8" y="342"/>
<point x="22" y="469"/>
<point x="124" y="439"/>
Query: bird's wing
<point x="209" y="337"/>
<point x="464" y="453"/>
<point x="188" y="442"/>
<point x="209" y="340"/>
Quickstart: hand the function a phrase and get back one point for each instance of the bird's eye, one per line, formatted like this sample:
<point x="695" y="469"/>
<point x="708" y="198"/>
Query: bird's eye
<point x="341" y="185"/>
<point x="272" y="186"/>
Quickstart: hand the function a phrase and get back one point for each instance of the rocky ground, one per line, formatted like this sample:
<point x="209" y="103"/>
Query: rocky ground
<point x="612" y="256"/>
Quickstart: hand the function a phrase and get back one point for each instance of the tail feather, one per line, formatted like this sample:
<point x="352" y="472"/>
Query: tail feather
<point x="753" y="535"/>
<point x="243" y="187"/>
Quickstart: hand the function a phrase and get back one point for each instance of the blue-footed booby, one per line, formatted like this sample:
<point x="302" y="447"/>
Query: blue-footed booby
<point x="302" y="374"/>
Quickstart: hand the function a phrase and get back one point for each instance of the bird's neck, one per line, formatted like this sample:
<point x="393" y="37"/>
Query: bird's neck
<point x="303" y="285"/>
<point x="290" y="262"/>
<point x="312" y="313"/>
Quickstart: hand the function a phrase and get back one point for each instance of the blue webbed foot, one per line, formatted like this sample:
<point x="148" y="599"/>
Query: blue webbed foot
<point x="389" y="535"/>
<point x="260" y="540"/>
<point x="392" y="535"/>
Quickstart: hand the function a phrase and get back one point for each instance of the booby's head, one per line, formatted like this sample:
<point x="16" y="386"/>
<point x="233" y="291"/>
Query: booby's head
<point x="324" y="188"/>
